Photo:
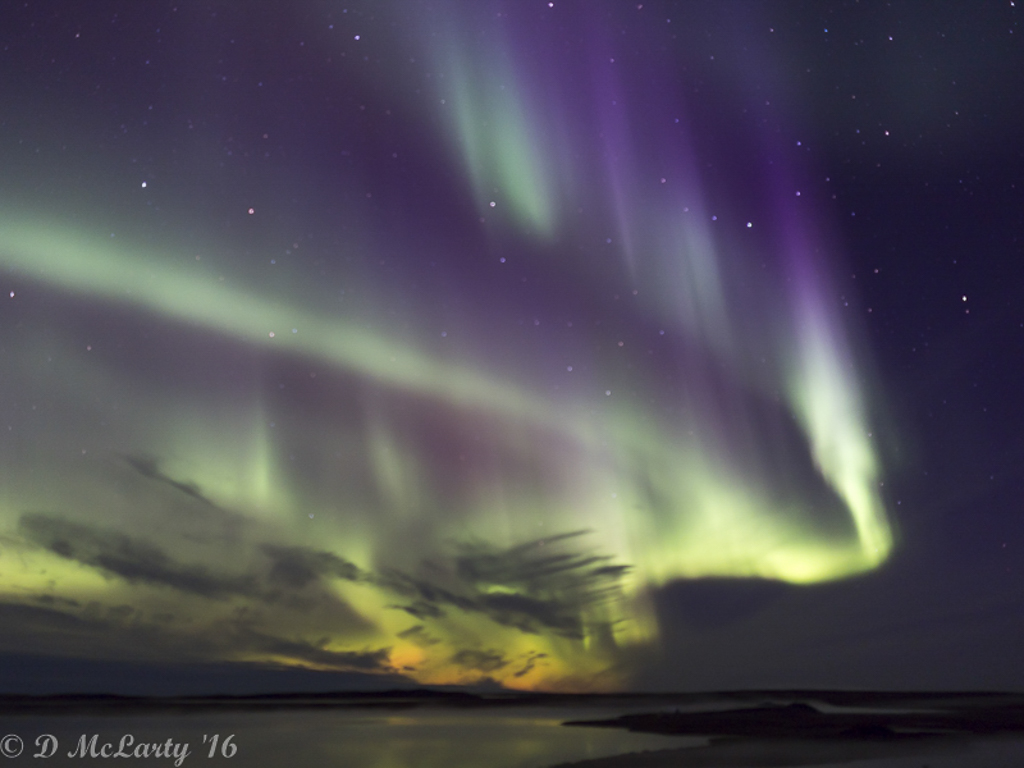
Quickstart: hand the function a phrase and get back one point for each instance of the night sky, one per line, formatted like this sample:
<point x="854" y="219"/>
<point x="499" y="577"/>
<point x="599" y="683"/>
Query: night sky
<point x="552" y="345"/>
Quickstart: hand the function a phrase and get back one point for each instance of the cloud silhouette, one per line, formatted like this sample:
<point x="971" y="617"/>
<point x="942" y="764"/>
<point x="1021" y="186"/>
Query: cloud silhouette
<point x="317" y="653"/>
<point x="283" y="604"/>
<point x="298" y="566"/>
<point x="149" y="466"/>
<point x="131" y="559"/>
<point x="481" y="661"/>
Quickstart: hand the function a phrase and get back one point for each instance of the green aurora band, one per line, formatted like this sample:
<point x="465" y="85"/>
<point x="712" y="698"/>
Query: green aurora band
<point x="463" y="520"/>
<point x="710" y="520"/>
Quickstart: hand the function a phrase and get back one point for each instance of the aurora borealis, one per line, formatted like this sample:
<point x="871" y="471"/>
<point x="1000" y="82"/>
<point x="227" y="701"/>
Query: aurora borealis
<point x="432" y="339"/>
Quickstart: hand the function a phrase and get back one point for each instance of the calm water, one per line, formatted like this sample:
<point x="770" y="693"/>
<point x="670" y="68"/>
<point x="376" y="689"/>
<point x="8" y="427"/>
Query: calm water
<point x="422" y="738"/>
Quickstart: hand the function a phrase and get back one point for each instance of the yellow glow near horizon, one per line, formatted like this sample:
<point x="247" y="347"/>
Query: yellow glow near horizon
<point x="704" y="520"/>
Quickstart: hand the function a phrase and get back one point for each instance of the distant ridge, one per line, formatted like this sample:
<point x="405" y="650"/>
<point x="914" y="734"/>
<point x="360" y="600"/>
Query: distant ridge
<point x="774" y="708"/>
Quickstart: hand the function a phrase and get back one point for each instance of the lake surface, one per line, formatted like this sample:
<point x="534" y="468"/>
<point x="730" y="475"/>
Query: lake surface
<point x="420" y="738"/>
<point x="425" y="737"/>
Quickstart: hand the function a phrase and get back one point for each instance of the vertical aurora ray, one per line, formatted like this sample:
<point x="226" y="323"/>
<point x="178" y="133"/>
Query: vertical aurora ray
<point x="355" y="496"/>
<point x="830" y="408"/>
<point x="494" y="126"/>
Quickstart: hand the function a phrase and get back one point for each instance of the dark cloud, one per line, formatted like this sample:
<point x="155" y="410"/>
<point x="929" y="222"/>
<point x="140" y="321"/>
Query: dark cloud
<point x="542" y="566"/>
<point x="711" y="603"/>
<point x="149" y="466"/>
<point x="120" y="613"/>
<point x="427" y="594"/>
<point x="611" y="571"/>
<point x="529" y="664"/>
<point x="296" y="567"/>
<point x="53" y="674"/>
<point x="421" y="610"/>
<point x="294" y="578"/>
<point x="418" y="634"/>
<point x="482" y="661"/>
<point x="27" y="620"/>
<point x="316" y="653"/>
<point x="523" y="562"/>
<point x="207" y="519"/>
<point x="535" y="587"/>
<point x="92" y="630"/>
<point x="291" y="569"/>
<point x="54" y="600"/>
<point x="131" y="559"/>
<point x="541" y="585"/>
<point x="531" y="615"/>
<point x="127" y="632"/>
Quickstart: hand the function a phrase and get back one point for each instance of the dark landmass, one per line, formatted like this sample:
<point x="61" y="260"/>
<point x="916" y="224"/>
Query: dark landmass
<point x="799" y="720"/>
<point x="736" y="713"/>
<point x="799" y="733"/>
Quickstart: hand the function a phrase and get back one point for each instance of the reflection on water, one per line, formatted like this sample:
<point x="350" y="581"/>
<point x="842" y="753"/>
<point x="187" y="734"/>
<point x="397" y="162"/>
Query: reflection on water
<point x="424" y="738"/>
<point x="428" y="737"/>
